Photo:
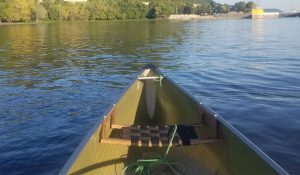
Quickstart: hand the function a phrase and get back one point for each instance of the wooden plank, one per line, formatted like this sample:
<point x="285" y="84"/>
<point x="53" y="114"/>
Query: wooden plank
<point x="145" y="142"/>
<point x="157" y="136"/>
<point x="116" y="141"/>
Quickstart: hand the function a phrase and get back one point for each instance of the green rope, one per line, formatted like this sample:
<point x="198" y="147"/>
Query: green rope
<point x="144" y="166"/>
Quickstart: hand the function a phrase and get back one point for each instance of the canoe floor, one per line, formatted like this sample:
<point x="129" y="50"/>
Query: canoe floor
<point x="113" y="158"/>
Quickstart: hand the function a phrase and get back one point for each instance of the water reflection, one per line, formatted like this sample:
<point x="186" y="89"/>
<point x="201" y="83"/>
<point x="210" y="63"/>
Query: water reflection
<point x="257" y="30"/>
<point x="99" y="46"/>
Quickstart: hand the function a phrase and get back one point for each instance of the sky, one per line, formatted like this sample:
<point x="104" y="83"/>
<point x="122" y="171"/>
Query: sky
<point x="284" y="5"/>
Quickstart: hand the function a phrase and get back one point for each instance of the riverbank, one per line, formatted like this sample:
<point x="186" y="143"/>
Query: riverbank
<point x="189" y="17"/>
<point x="74" y="21"/>
<point x="231" y="15"/>
<point x="219" y="16"/>
<point x="171" y="17"/>
<point x="10" y="23"/>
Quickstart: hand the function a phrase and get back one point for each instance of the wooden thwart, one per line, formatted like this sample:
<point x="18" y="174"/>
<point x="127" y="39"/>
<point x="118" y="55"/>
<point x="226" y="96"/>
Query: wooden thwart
<point x="154" y="136"/>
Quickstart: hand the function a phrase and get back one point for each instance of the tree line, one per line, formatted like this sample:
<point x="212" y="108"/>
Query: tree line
<point x="36" y="10"/>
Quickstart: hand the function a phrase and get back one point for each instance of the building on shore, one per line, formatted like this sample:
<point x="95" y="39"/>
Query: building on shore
<point x="259" y="13"/>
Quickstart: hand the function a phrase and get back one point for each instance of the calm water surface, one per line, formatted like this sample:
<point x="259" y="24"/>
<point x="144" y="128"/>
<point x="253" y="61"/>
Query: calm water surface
<point x="57" y="79"/>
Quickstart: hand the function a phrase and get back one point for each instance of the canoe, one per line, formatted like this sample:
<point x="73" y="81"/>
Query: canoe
<point x="157" y="127"/>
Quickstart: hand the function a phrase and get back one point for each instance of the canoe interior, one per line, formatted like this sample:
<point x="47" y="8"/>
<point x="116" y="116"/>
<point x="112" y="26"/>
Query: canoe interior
<point x="172" y="106"/>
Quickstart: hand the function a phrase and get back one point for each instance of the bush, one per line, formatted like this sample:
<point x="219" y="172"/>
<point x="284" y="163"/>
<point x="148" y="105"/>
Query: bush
<point x="151" y="14"/>
<point x="161" y="8"/>
<point x="54" y="12"/>
<point x="187" y="10"/>
<point x="41" y="13"/>
<point x="17" y="10"/>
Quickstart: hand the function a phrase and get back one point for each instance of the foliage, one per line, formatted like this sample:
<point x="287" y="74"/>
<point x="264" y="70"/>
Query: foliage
<point x="204" y="8"/>
<point x="243" y="6"/>
<point x="250" y="5"/>
<point x="240" y="6"/>
<point x="31" y="10"/>
<point x="17" y="10"/>
<point x="221" y="8"/>
<point x="54" y="12"/>
<point x="151" y="13"/>
<point x="161" y="8"/>
<point x="132" y="9"/>
<point x="41" y="13"/>
<point x="2" y="6"/>
<point x="74" y="11"/>
<point x="187" y="10"/>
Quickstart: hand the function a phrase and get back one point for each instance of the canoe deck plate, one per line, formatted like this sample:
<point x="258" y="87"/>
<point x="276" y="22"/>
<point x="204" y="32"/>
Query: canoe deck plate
<point x="155" y="136"/>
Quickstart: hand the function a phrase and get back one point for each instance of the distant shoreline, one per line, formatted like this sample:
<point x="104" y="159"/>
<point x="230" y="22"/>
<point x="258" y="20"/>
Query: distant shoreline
<point x="11" y="23"/>
<point x="234" y="15"/>
<point x="219" y="16"/>
<point x="171" y="17"/>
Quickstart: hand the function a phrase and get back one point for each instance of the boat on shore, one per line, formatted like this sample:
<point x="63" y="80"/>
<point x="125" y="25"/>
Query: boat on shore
<point x="156" y="127"/>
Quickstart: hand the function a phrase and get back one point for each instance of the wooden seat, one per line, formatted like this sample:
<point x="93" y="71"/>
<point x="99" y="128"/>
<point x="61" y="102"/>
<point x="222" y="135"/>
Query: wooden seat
<point x="155" y="136"/>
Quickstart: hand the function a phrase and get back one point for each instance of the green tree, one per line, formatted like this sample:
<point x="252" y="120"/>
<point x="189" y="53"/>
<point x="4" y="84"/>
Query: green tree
<point x="221" y="8"/>
<point x="187" y="10"/>
<point x="204" y="8"/>
<point x="162" y="8"/>
<point x="226" y="8"/>
<point x="54" y="12"/>
<point x="76" y="11"/>
<point x="132" y="9"/>
<point x="17" y="10"/>
<point x="63" y="12"/>
<point x="250" y="5"/>
<point x="152" y="13"/>
<point x="240" y="6"/>
<point x="47" y="3"/>
<point x="84" y="13"/>
<point x="41" y="13"/>
<point x="103" y="9"/>
<point x="2" y="6"/>
<point x="213" y="6"/>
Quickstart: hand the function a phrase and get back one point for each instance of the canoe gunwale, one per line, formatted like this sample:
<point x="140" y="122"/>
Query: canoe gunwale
<point x="87" y="137"/>
<point x="208" y="110"/>
<point x="220" y="119"/>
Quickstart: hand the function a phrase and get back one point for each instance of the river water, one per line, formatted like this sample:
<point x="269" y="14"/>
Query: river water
<point x="56" y="79"/>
